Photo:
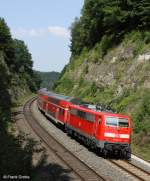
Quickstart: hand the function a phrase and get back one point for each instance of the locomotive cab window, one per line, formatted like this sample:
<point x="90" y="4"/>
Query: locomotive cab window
<point x="111" y="121"/>
<point x="123" y="122"/>
<point x="114" y="121"/>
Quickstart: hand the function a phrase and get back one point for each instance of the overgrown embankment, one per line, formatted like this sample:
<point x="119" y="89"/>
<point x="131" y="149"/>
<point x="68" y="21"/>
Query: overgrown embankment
<point x="17" y="79"/>
<point x="110" y="62"/>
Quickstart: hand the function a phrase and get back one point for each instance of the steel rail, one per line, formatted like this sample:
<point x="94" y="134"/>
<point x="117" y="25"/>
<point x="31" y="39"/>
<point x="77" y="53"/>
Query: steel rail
<point x="132" y="169"/>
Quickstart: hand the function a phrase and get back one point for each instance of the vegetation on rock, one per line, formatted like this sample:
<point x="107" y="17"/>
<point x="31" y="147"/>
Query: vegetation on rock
<point x="110" y="62"/>
<point x="108" y="21"/>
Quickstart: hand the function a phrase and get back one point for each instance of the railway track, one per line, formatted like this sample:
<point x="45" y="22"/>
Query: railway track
<point x="79" y="167"/>
<point x="132" y="169"/>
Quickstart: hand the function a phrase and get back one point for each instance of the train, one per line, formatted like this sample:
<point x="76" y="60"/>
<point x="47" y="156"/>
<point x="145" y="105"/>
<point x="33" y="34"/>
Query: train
<point x="107" y="132"/>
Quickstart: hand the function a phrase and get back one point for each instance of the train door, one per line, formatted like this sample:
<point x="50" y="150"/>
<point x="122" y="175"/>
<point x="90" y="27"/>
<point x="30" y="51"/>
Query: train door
<point x="66" y="115"/>
<point x="46" y="110"/>
<point x="97" y="125"/>
<point x="57" y="113"/>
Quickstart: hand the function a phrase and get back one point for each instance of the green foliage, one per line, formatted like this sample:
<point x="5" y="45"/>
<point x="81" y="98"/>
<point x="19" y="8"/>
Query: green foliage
<point x="65" y="85"/>
<point x="81" y="81"/>
<point x="63" y="71"/>
<point x="5" y="101"/>
<point x="48" y="79"/>
<point x="142" y="117"/>
<point x="146" y="37"/>
<point x="36" y="80"/>
<point x="94" y="55"/>
<point x="16" y="79"/>
<point x="86" y="69"/>
<point x="23" y="59"/>
<point x="77" y="42"/>
<point x="105" y="43"/>
<point x="125" y="102"/>
<point x="93" y="89"/>
<point x="104" y="18"/>
<point x="6" y="43"/>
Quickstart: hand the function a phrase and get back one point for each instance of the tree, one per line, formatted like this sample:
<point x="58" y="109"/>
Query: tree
<point x="6" y="43"/>
<point x="78" y="37"/>
<point x="23" y="59"/>
<point x="5" y="100"/>
<point x="113" y="19"/>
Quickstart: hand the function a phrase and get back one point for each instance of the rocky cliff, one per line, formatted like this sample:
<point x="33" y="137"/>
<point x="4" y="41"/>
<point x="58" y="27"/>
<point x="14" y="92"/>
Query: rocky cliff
<point x="121" y="79"/>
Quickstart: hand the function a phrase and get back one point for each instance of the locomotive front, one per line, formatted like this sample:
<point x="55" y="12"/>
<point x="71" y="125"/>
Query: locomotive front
<point x="117" y="135"/>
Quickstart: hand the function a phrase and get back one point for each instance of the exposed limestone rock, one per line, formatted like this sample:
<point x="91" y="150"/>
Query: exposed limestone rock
<point x="143" y="57"/>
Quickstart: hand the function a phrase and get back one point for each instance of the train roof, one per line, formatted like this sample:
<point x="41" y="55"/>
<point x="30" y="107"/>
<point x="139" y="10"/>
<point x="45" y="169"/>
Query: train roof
<point x="78" y="102"/>
<point x="93" y="111"/>
<point x="58" y="96"/>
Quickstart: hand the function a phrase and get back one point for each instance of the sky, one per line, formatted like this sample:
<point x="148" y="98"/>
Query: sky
<point x="44" y="27"/>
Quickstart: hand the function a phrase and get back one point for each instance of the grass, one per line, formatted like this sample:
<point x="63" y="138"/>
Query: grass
<point x="141" y="151"/>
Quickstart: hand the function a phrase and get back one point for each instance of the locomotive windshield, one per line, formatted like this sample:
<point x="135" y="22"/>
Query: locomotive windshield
<point x="123" y="122"/>
<point x="114" y="121"/>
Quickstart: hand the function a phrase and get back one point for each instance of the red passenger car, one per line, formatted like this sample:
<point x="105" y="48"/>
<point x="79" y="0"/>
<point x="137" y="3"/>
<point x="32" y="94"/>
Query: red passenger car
<point x="106" y="131"/>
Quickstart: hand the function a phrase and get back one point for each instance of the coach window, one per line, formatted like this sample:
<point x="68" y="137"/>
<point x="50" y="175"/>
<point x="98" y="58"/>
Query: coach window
<point x="90" y="117"/>
<point x="62" y="111"/>
<point x="81" y="114"/>
<point x="73" y="112"/>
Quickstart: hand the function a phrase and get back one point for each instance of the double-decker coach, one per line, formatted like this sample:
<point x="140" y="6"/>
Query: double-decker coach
<point x="55" y="106"/>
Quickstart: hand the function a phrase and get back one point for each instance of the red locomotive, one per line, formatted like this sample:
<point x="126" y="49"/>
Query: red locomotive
<point x="108" y="132"/>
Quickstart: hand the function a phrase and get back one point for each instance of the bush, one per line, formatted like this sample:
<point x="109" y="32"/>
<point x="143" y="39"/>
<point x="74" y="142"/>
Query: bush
<point x="93" y="89"/>
<point x="141" y="118"/>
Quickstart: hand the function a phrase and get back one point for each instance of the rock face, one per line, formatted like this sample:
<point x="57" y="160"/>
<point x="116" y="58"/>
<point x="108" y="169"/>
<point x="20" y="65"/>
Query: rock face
<point x="119" y="71"/>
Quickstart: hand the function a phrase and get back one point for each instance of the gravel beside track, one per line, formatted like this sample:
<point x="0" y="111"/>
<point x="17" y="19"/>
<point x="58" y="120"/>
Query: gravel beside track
<point x="100" y="165"/>
<point x="145" y="165"/>
<point x="78" y="166"/>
